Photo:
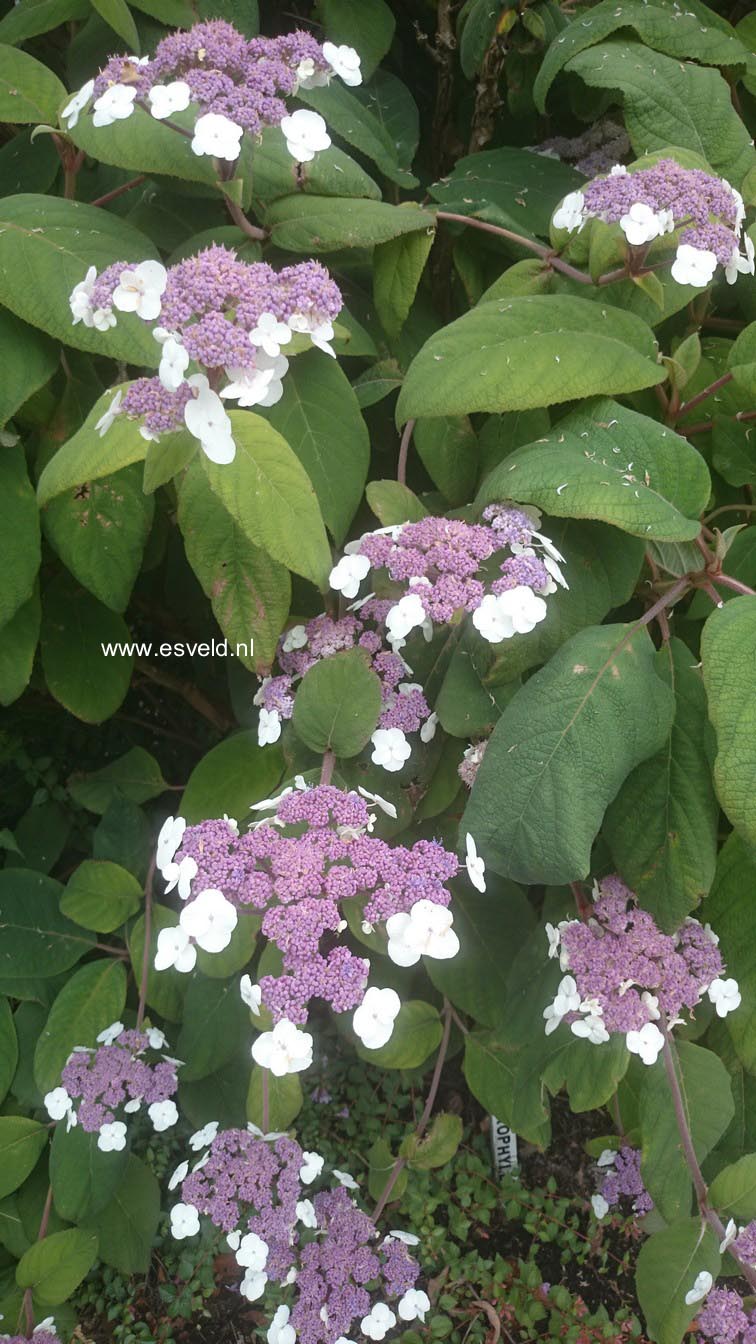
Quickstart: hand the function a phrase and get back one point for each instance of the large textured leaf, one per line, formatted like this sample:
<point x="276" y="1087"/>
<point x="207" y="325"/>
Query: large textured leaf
<point x="29" y="361"/>
<point x="46" y="247"/>
<point x="30" y="17"/>
<point x="101" y="895"/>
<point x="323" y="224"/>
<point x="507" y="1082"/>
<point x="490" y="926"/>
<point x="662" y="826"/>
<point x="560" y="751"/>
<point x="230" y="778"/>
<point x="728" y="649"/>
<point x="249" y="592"/>
<point x="126" y="1227"/>
<point x="732" y="912"/>
<point x="88" y="1003"/>
<point x="519" y="353"/>
<point x="695" y="33"/>
<point x="268" y="492"/>
<point x="369" y="28"/>
<point x="668" y="1265"/>
<point x="320" y="419"/>
<point x="18" y="643"/>
<point x="733" y="1190"/>
<point x="35" y="939"/>
<point x="19" y="525"/>
<point x="512" y="187"/>
<point x="215" y="1019"/>
<point x="8" y="1048"/>
<point x="76" y="632"/>
<point x="21" y="1142"/>
<point x="82" y="1176"/>
<point x="448" y="449"/>
<point x="338" y="704"/>
<point x="669" y="102"/>
<point x="417" y="1032"/>
<point x="351" y="121"/>
<point x="53" y="1268"/>
<point x="28" y="90"/>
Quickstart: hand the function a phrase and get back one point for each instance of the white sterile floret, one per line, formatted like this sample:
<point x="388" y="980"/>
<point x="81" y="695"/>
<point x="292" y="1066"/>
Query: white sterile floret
<point x="112" y="1137"/>
<point x="140" y="290"/>
<point x="174" y="362"/>
<point x="205" y="417"/>
<point x="600" y="1206"/>
<point x="305" y="134"/>
<point x="168" y="98"/>
<point x="217" y="136"/>
<point x="283" y="1050"/>
<point x="378" y="1323"/>
<point x="344" y="62"/>
<point x="569" y="215"/>
<point x="80" y="300"/>
<point x="407" y="614"/>
<point x="641" y="224"/>
<point x="252" y="1252"/>
<point x="251" y="995"/>
<point x="702" y="1284"/>
<point x="253" y="1284"/>
<point x="731" y="1232"/>
<point x="295" y="638"/>
<point x="70" y="113"/>
<point x="180" y="875"/>
<point x="174" y="949"/>
<point x="163" y="1114"/>
<point x="566" y="1000"/>
<point x="385" y="806"/>
<point x="590" y="1028"/>
<point x="413" y="1305"/>
<point x="169" y="840"/>
<point x="426" y="931"/>
<point x="184" y="1221"/>
<point x="651" y="1002"/>
<point x="694" y="265"/>
<point x="268" y="727"/>
<point x="305" y="1211"/>
<point x="131" y="1107"/>
<point x="115" y="104"/>
<point x="310" y="78"/>
<point x="279" y="1331"/>
<point x="606" y="1158"/>
<point x="110" y="1034"/>
<point x="725" y="996"/>
<point x="373" y="1021"/>
<point x="258" y="386"/>
<point x="57" y="1103"/>
<point x="523" y="608"/>
<point x="491" y="621"/>
<point x="182" y="1171"/>
<point x="428" y="730"/>
<point x="210" y="920"/>
<point x="312" y="1165"/>
<point x="554" y="936"/>
<point x="740" y="265"/>
<point x="647" y="1043"/>
<point x="347" y="575"/>
<point x="202" y="1138"/>
<point x="108" y="417"/>
<point x="390" y="748"/>
<point x="476" y="868"/>
<point x="343" y="1178"/>
<point x="270" y="334"/>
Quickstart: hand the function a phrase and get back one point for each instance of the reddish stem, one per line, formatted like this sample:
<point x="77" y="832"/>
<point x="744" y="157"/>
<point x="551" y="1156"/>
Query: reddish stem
<point x="706" y="392"/>
<point x="401" y="466"/>
<point x="735" y="585"/>
<point x="120" y="191"/>
<point x="326" y="769"/>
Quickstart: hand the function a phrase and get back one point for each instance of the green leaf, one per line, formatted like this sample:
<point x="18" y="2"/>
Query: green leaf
<point x="330" y="173"/>
<point x="53" y="1268"/>
<point x="417" y="1032"/>
<point x="214" y="1020"/>
<point x="21" y="1142"/>
<point x="320" y="419"/>
<point x="369" y="28"/>
<point x="377" y="382"/>
<point x="392" y="103"/>
<point x="338" y="704"/>
<point x="348" y="119"/>
<point x="165" y="989"/>
<point x="466" y="705"/>
<point x="514" y="188"/>
<point x="668" y="1264"/>
<point x="380" y="1166"/>
<point x="76" y="629"/>
<point x="37" y="940"/>
<point x="100" y="531"/>
<point x="101" y="896"/>
<point x="249" y="592"/>
<point x="728" y="648"/>
<point x="590" y="1073"/>
<point x="238" y="954"/>
<point x="733" y="452"/>
<point x="669" y="102"/>
<point x="709" y="1108"/>
<point x="221" y="1096"/>
<point x="662" y="826"/>
<point x="694" y="34"/>
<point x="88" y="1003"/>
<point x="394" y="503"/>
<point x="19" y="525"/>
<point x="8" y="1048"/>
<point x="448" y="448"/>
<point x="29" y="18"/>
<point x="741" y="361"/>
<point x="315" y="224"/>
<point x="733" y="1190"/>
<point x="437" y="1147"/>
<point x="491" y="928"/>
<point x="285" y="1099"/>
<point x="731" y="909"/>
<point x="29" y="361"/>
<point x="519" y="353"/>
<point x="231" y="777"/>
<point x="397" y="268"/>
<point x="269" y="494"/>
<point x="136" y="775"/>
<point x="18" y="644"/>
<point x="126" y="1227"/>
<point x="28" y="90"/>
<point x="46" y="246"/>
<point x="149" y="145"/>
<point x="83" y="1178"/>
<point x="117" y="15"/>
<point x="508" y="1084"/>
<point x="555" y="760"/>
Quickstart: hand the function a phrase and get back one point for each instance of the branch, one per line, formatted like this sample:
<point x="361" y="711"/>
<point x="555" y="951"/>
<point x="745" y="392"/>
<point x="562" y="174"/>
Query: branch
<point x="545" y="253"/>
<point x="241" y="221"/>
<point x="401" y="466"/>
<point x="326" y="769"/>
<point x="190" y="693"/>
<point x="147" y="944"/>
<point x="120" y="191"/>
<point x="704" y="394"/>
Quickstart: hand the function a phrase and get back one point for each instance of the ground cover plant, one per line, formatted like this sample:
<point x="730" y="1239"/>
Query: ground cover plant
<point x="376" y="652"/>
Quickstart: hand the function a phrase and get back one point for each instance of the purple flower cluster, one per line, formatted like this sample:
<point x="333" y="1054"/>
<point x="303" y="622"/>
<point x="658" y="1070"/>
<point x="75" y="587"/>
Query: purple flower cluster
<point x="245" y="80"/>
<point x="624" y="1181"/>
<point x="44" y="1333"/>
<point x="744" y="1245"/>
<point x="99" y="1086"/>
<point x="299" y="877"/>
<point x="722" y="1319"/>
<point x="470" y="764"/>
<point x="592" y="152"/>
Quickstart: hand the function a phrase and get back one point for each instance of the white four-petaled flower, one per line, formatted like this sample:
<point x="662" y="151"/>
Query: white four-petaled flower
<point x="647" y="1043"/>
<point x="112" y="1137"/>
<point x="205" y="417"/>
<point x="279" y="1331"/>
<point x="174" y="362"/>
<point x="165" y="99"/>
<point x="184" y="1221"/>
<point x="569" y="215"/>
<point x="702" y="1285"/>
<point x="426" y="931"/>
<point x="250" y="994"/>
<point x="140" y="290"/>
<point x="169" y="840"/>
<point x="312" y="1165"/>
<point x="305" y="134"/>
<point x="475" y="865"/>
<point x="202" y="1138"/>
<point x="210" y="920"/>
<point x="413" y="1305"/>
<point x="305" y="1211"/>
<point x="180" y="875"/>
<point x="378" y="1322"/>
<point x="600" y="1206"/>
<point x="107" y="418"/>
<point x="174" y="949"/>
<point x="390" y="748"/>
<point x="268" y="727"/>
<point x="115" y="104"/>
<point x="725" y="996"/>
<point x="347" y="575"/>
<point x="252" y="1252"/>
<point x="283" y="1050"/>
<point x="270" y="334"/>
<point x="72" y="109"/>
<point x="694" y="265"/>
<point x="110" y="1034"/>
<point x="373" y="1021"/>
<point x="344" y="62"/>
<point x="567" y="1000"/>
<point x="217" y="136"/>
<point x="163" y="1114"/>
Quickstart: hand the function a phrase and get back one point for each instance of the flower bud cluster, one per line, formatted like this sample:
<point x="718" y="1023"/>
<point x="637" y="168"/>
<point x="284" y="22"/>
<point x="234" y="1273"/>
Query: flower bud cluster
<point x="623" y="1180"/>
<point x="724" y="1320"/>
<point x="257" y="1189"/>
<point x="44" y="1333"/>
<point x="705" y="213"/>
<point x="100" y="1086"/>
<point x="229" y="83"/>
<point x="625" y="975"/>
<point x="297" y="868"/>
<point x="223" y="325"/>
<point x="440" y="564"/>
<point x="470" y="764"/>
